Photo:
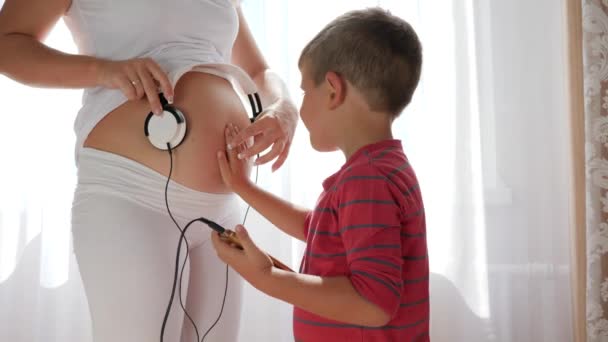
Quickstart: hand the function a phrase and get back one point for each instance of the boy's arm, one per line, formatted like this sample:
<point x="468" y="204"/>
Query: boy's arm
<point x="283" y="214"/>
<point x="330" y="297"/>
<point x="369" y="217"/>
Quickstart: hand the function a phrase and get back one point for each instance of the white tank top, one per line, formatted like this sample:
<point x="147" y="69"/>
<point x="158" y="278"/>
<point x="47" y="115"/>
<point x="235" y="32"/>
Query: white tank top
<point x="180" y="35"/>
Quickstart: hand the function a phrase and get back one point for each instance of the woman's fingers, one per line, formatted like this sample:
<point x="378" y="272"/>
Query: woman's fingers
<point x="260" y="145"/>
<point x="282" y="157"/>
<point x="250" y="131"/>
<point x="159" y="75"/>
<point x="274" y="152"/>
<point x="136" y="78"/>
<point x="267" y="133"/>
<point x="144" y="77"/>
<point x="124" y="84"/>
<point x="135" y="82"/>
<point x="151" y="90"/>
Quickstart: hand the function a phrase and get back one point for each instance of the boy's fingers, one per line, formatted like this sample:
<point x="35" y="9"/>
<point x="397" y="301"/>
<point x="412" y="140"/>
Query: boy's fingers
<point x="223" y="249"/>
<point x="214" y="240"/>
<point x="231" y="147"/>
<point x="242" y="146"/>
<point x="223" y="163"/>
<point x="217" y="245"/>
<point x="228" y="137"/>
<point x="244" y="238"/>
<point x="248" y="244"/>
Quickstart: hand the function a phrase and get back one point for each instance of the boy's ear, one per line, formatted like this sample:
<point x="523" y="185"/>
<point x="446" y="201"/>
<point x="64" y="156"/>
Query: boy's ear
<point x="337" y="89"/>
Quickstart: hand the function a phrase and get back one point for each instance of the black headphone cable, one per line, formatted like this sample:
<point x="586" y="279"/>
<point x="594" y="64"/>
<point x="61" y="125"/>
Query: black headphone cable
<point x="183" y="237"/>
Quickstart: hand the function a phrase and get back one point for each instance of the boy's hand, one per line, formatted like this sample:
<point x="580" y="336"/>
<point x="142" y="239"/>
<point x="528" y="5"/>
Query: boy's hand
<point x="251" y="262"/>
<point x="234" y="170"/>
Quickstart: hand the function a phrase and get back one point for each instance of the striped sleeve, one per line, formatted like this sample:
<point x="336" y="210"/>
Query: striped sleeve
<point x="370" y="227"/>
<point x="307" y="220"/>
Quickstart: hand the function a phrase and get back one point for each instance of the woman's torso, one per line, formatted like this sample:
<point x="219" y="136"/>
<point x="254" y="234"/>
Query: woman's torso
<point x="178" y="35"/>
<point x="208" y="103"/>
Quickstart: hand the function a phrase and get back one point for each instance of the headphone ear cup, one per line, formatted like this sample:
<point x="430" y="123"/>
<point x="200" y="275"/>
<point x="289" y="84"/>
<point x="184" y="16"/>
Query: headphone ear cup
<point x="166" y="130"/>
<point x="179" y="116"/>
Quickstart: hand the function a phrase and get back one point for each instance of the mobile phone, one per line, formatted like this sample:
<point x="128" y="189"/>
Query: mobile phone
<point x="230" y="237"/>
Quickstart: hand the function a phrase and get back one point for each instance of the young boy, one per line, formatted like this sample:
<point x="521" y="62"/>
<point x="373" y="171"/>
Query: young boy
<point x="364" y="275"/>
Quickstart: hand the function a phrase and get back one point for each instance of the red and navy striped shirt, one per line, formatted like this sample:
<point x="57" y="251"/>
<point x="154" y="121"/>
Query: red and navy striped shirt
<point x="369" y="225"/>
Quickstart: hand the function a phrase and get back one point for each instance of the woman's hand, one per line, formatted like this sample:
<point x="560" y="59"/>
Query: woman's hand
<point x="250" y="262"/>
<point x="274" y="127"/>
<point x="136" y="78"/>
<point x="234" y="170"/>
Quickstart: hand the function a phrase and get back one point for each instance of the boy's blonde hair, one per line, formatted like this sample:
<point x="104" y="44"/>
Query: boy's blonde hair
<point x="377" y="52"/>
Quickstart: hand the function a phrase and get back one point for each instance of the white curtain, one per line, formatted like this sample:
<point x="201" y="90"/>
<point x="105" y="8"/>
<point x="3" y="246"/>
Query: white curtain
<point x="485" y="133"/>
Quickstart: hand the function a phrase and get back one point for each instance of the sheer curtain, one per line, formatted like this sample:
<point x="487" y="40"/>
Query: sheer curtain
<point x="485" y="133"/>
<point x="41" y="297"/>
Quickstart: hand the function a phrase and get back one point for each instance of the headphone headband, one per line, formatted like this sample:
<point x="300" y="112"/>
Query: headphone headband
<point x="237" y="77"/>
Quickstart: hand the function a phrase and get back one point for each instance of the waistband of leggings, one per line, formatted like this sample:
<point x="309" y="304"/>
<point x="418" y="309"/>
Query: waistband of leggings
<point x="109" y="173"/>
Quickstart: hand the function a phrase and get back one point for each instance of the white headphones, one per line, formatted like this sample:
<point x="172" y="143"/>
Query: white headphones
<point x="168" y="129"/>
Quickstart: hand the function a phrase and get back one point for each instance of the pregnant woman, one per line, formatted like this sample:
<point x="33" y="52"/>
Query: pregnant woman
<point x="200" y="54"/>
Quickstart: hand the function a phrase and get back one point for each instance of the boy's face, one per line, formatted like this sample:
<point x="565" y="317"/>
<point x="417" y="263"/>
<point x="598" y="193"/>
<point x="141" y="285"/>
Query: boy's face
<point x="315" y="114"/>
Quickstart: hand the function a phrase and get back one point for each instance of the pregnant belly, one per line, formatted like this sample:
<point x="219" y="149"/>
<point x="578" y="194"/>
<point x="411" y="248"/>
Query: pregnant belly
<point x="208" y="102"/>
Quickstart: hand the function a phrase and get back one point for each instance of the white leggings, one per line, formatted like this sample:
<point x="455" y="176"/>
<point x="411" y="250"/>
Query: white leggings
<point x="126" y="244"/>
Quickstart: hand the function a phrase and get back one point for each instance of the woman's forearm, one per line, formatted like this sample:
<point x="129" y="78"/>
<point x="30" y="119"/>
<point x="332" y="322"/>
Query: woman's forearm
<point x="28" y="61"/>
<point x="272" y="88"/>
